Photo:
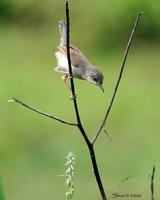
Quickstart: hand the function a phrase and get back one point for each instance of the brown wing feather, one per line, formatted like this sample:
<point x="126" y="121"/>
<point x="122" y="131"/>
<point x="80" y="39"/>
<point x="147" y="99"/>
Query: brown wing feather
<point x="74" y="52"/>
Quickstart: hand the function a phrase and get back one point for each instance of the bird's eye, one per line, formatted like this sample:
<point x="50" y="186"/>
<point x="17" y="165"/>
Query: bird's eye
<point x="95" y="79"/>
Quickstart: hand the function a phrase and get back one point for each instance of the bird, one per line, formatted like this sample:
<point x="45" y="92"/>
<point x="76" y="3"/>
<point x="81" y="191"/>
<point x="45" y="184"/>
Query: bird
<point x="81" y="67"/>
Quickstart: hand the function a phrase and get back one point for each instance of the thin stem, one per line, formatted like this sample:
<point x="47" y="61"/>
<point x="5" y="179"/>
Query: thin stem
<point x="152" y="183"/>
<point x="69" y="65"/>
<point x="96" y="172"/>
<point x="94" y="163"/>
<point x="43" y="113"/>
<point x="118" y="80"/>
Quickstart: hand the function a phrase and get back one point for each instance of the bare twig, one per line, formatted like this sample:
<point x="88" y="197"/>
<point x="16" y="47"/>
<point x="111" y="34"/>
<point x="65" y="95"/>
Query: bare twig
<point x="106" y="132"/>
<point x="128" y="178"/>
<point x="42" y="113"/>
<point x="119" y="79"/>
<point x="152" y="183"/>
<point x="80" y="126"/>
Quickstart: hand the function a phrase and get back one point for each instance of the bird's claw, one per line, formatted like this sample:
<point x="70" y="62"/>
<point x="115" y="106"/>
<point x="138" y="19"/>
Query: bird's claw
<point x="66" y="77"/>
<point x="73" y="97"/>
<point x="69" y="76"/>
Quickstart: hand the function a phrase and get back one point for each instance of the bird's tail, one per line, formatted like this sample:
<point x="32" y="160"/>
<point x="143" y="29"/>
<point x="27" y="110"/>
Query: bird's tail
<point x="63" y="29"/>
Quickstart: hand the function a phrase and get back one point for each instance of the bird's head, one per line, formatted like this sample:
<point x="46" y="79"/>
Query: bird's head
<point x="96" y="77"/>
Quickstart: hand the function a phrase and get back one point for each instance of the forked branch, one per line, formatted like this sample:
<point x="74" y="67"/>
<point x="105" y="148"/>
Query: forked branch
<point x="118" y="80"/>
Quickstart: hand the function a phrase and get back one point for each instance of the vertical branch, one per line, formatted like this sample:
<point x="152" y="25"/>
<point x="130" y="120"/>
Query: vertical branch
<point x="152" y="183"/>
<point x="79" y="124"/>
<point x="96" y="173"/>
<point x="69" y="65"/>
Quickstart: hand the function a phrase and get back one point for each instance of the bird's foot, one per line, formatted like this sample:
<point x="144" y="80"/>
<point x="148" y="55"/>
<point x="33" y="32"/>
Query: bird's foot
<point x="73" y="97"/>
<point x="66" y="77"/>
<point x="69" y="76"/>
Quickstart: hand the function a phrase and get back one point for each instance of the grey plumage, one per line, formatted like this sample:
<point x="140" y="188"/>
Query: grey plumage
<point x="81" y="67"/>
<point x="63" y="29"/>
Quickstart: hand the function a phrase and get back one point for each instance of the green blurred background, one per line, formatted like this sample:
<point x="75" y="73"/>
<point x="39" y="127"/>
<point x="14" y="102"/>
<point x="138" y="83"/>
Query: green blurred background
<point x="32" y="147"/>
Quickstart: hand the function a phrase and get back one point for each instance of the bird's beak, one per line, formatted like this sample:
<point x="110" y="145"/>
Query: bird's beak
<point x="101" y="87"/>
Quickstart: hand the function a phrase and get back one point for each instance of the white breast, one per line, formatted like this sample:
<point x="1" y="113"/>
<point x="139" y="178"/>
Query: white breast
<point x="63" y="65"/>
<point x="62" y="61"/>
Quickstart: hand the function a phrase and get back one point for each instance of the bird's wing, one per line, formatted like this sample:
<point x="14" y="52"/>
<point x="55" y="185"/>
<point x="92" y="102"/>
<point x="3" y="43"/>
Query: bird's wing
<point x="74" y="52"/>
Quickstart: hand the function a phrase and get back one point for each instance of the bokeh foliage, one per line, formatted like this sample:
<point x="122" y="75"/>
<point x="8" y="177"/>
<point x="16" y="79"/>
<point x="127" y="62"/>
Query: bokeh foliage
<point x="110" y="17"/>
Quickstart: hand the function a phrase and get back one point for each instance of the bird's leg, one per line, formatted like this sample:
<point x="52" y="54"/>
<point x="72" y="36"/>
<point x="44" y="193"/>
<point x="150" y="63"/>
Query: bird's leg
<point x="65" y="78"/>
